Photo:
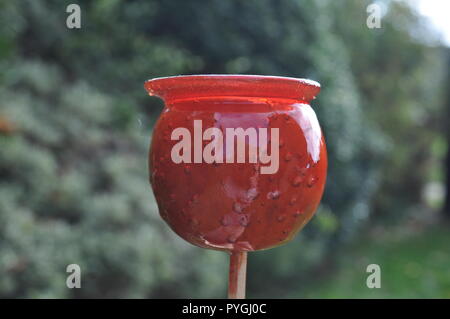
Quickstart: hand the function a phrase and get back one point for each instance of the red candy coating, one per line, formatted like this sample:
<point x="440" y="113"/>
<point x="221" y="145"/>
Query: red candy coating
<point x="233" y="206"/>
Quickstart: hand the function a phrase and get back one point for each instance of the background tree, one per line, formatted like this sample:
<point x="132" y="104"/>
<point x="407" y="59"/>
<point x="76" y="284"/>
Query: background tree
<point x="447" y="161"/>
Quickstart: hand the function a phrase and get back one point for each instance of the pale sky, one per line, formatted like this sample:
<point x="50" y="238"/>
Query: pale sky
<point x="438" y="11"/>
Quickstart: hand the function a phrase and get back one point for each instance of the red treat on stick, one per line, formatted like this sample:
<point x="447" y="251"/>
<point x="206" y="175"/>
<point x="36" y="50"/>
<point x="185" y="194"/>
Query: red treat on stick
<point x="237" y="162"/>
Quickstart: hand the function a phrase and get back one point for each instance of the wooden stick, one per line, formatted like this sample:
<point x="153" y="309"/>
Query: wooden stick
<point x="237" y="276"/>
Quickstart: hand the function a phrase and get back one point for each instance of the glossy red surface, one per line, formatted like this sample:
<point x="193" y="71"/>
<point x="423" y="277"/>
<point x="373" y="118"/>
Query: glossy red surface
<point x="232" y="206"/>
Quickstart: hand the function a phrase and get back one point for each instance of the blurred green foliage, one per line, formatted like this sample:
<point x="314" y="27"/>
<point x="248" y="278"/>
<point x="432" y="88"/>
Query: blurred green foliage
<point x="75" y="124"/>
<point x="413" y="265"/>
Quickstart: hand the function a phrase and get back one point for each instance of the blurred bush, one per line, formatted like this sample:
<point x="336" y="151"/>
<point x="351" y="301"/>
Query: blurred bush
<point x="75" y="124"/>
